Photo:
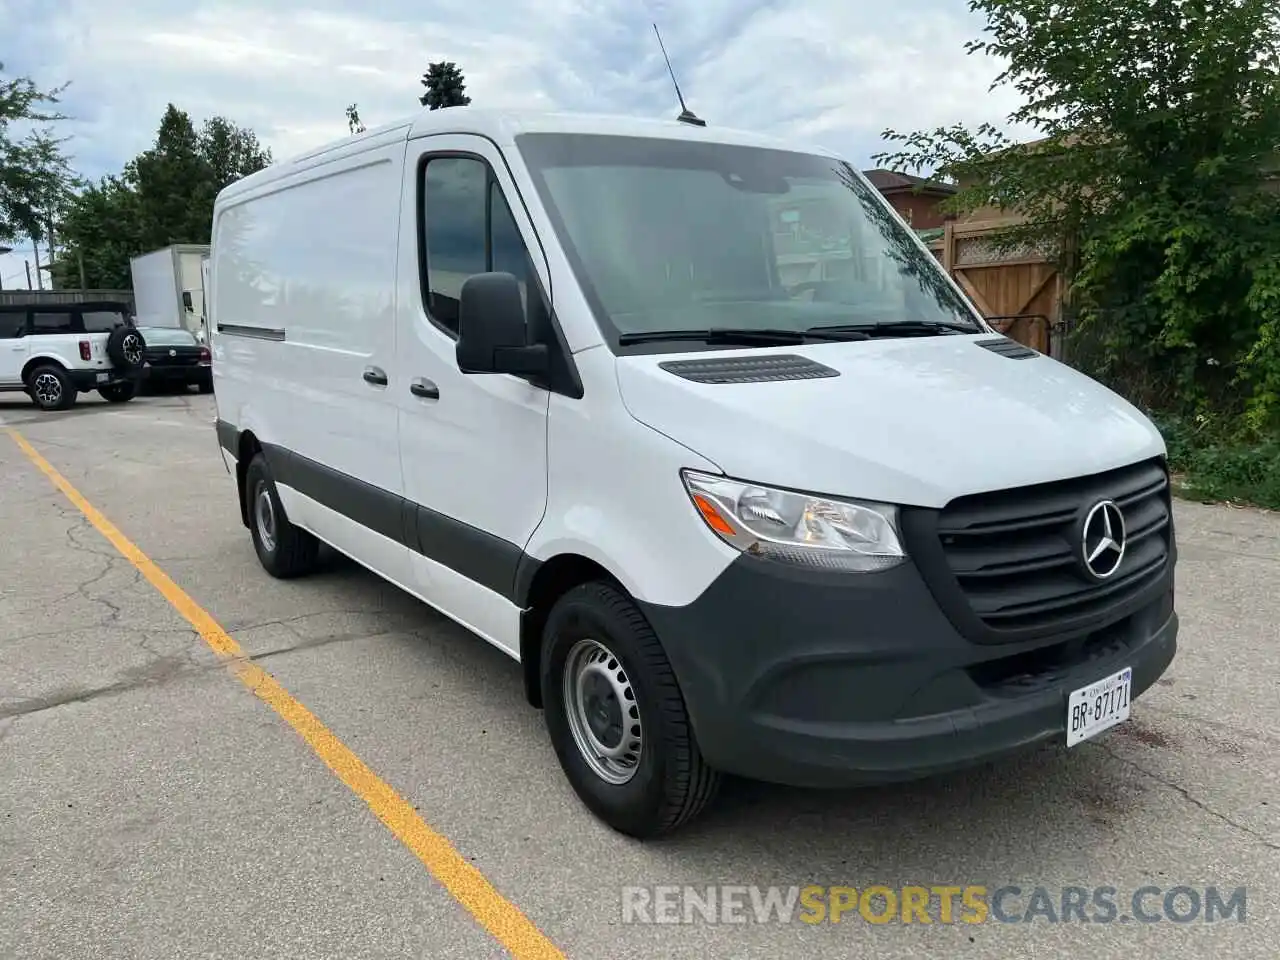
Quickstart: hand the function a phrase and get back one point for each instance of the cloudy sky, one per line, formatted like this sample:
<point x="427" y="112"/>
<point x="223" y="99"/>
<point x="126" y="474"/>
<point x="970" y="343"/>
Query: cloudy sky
<point x="835" y="72"/>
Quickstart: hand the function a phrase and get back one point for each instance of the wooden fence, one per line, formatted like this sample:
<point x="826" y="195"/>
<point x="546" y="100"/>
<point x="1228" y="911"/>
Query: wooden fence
<point x="1018" y="291"/>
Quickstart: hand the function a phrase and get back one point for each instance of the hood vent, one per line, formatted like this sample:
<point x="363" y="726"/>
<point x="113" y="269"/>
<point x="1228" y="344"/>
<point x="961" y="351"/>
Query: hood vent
<point x="1008" y="348"/>
<point x="772" y="368"/>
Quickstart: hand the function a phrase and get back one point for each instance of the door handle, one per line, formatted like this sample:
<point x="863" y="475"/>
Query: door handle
<point x="425" y="389"/>
<point x="375" y="375"/>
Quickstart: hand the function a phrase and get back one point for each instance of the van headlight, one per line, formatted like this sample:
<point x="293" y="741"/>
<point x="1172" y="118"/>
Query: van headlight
<point x="811" y="531"/>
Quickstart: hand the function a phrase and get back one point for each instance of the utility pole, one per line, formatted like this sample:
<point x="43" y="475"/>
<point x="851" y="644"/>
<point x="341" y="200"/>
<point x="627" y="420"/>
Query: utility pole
<point x="3" y="251"/>
<point x="35" y="248"/>
<point x="52" y="255"/>
<point x="27" y="264"/>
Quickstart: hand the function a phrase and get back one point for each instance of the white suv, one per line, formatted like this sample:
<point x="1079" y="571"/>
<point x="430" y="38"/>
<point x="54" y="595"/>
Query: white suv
<point x="56" y="351"/>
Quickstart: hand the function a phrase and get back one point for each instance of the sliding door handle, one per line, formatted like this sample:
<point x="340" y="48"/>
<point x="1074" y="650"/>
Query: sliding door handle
<point x="425" y="389"/>
<point x="375" y="375"/>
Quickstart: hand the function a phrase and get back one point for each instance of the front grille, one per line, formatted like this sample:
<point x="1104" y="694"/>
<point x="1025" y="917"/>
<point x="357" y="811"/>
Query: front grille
<point x="1009" y="563"/>
<point x="1043" y="667"/>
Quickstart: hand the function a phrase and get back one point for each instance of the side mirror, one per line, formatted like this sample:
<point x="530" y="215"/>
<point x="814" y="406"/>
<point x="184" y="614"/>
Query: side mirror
<point x="493" y="336"/>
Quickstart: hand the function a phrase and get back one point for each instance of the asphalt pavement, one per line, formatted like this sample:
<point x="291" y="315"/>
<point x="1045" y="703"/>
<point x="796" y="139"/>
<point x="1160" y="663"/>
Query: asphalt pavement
<point x="396" y="797"/>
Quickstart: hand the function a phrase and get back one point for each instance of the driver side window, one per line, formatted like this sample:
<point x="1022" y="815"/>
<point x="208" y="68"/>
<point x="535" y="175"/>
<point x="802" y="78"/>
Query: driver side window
<point x="466" y="227"/>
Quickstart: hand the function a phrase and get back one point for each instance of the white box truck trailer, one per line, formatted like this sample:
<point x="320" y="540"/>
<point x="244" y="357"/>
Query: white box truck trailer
<point x="168" y="287"/>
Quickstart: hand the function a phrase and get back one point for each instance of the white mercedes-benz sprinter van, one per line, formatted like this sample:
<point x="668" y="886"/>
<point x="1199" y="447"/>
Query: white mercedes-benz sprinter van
<point x="690" y="424"/>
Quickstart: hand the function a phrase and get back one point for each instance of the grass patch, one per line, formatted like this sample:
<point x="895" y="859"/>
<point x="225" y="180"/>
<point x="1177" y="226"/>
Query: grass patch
<point x="1215" y="469"/>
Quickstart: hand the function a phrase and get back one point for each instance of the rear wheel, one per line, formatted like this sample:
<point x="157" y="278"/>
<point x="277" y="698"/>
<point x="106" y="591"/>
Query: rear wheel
<point x="50" y="388"/>
<point x="118" y="392"/>
<point x="616" y="717"/>
<point x="285" y="551"/>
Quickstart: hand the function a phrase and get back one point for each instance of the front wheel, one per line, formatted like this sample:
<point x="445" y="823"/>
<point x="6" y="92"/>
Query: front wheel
<point x="616" y="717"/>
<point x="118" y="392"/>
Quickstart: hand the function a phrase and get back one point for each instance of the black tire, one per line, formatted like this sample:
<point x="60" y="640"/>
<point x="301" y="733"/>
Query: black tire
<point x="285" y="551"/>
<point x="50" y="388"/>
<point x="671" y="783"/>
<point x="125" y="347"/>
<point x="205" y="386"/>
<point x="118" y="392"/>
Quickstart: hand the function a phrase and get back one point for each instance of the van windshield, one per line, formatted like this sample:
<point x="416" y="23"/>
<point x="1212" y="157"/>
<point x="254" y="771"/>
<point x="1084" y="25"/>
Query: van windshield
<point x="671" y="235"/>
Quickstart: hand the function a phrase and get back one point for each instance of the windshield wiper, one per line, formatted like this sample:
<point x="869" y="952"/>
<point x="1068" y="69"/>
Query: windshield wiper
<point x="743" y="335"/>
<point x="904" y="327"/>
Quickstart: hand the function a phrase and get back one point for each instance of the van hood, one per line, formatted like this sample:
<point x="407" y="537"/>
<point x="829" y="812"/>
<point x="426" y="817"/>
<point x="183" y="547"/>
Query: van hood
<point x="914" y="421"/>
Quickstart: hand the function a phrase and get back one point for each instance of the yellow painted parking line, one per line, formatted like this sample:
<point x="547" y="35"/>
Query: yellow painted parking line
<point x="468" y="885"/>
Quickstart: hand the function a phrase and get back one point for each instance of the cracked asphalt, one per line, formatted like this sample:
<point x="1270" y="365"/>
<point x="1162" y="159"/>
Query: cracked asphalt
<point x="150" y="806"/>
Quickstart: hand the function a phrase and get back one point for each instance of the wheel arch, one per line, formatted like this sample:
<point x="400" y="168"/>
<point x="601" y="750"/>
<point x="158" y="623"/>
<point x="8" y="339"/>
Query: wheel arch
<point x="247" y="447"/>
<point x="541" y="588"/>
<point x="42" y="360"/>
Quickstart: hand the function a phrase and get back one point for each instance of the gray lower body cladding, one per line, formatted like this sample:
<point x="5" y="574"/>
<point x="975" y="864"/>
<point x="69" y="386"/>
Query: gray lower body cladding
<point x="827" y="680"/>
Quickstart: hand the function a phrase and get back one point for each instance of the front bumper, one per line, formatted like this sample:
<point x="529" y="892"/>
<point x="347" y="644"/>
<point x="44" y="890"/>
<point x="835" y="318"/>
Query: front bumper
<point x="817" y="679"/>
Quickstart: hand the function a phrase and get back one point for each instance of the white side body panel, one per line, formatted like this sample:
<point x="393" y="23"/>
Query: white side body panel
<point x="13" y="357"/>
<point x="62" y="349"/>
<point x="156" y="297"/>
<point x="311" y="260"/>
<point x="477" y="454"/>
<point x="616" y="496"/>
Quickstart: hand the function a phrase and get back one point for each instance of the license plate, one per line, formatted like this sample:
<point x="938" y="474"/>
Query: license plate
<point x="104" y="377"/>
<point x="1099" y="706"/>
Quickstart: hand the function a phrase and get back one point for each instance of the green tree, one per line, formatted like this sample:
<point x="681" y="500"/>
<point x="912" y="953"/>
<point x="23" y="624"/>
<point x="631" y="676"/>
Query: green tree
<point x="1159" y="125"/>
<point x="175" y="184"/>
<point x="35" y="173"/>
<point x="50" y="182"/>
<point x="100" y="231"/>
<point x="164" y="195"/>
<point x="232" y="152"/>
<point x="445" y="86"/>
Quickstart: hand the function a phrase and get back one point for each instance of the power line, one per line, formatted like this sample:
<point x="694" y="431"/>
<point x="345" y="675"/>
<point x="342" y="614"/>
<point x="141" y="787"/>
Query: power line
<point x="20" y="253"/>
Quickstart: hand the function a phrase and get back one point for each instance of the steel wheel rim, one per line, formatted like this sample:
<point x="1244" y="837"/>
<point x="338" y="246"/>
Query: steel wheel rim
<point x="47" y="388"/>
<point x="604" y="718"/>
<point x="132" y="349"/>
<point x="265" y="515"/>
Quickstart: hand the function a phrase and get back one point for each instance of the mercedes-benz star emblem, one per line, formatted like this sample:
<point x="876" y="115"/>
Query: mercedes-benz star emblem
<point x="173" y="353"/>
<point x="1102" y="538"/>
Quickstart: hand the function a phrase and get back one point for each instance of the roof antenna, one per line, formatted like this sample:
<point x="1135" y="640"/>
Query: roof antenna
<point x="686" y="115"/>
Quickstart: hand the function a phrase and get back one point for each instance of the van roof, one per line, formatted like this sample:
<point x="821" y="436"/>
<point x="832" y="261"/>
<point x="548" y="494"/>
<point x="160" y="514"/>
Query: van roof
<point x="503" y="126"/>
